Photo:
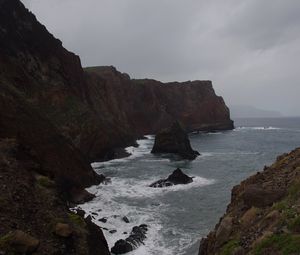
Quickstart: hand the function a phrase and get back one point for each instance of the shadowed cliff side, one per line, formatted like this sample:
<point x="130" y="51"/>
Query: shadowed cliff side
<point x="52" y="79"/>
<point x="34" y="217"/>
<point x="263" y="216"/>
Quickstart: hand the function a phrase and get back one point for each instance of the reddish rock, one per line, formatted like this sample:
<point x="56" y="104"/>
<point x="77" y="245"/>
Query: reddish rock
<point x="63" y="230"/>
<point x="23" y="243"/>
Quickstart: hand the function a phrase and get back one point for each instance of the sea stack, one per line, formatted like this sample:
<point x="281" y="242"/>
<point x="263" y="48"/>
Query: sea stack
<point x="174" y="140"/>
<point x="177" y="177"/>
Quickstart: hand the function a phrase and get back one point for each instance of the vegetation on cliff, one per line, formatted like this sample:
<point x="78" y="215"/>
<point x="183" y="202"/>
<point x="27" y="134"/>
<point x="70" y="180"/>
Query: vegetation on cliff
<point x="264" y="214"/>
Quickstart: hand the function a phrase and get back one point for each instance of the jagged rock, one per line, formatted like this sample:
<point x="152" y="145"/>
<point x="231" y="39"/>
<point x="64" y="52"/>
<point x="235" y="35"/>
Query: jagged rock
<point x="135" y="239"/>
<point x="63" y="230"/>
<point x="177" y="177"/>
<point x="80" y="212"/>
<point x="104" y="220"/>
<point x="23" y="243"/>
<point x="125" y="219"/>
<point x="174" y="140"/>
<point x="121" y="247"/>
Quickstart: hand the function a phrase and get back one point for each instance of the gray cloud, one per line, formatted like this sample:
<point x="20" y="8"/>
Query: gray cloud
<point x="250" y="49"/>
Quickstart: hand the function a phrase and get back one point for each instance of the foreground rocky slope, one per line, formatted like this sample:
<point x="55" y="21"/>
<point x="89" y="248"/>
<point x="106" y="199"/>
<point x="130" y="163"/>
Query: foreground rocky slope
<point x="264" y="214"/>
<point x="34" y="217"/>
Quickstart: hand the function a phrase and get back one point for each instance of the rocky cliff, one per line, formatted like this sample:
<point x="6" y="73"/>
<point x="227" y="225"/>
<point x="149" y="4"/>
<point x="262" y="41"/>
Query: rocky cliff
<point x="98" y="109"/>
<point x="264" y="214"/>
<point x="148" y="106"/>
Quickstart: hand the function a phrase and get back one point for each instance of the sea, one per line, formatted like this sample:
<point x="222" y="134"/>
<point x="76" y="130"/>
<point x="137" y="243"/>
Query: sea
<point x="179" y="216"/>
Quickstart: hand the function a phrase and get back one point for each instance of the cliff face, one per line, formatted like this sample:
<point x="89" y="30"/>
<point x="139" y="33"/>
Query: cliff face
<point x="100" y="108"/>
<point x="263" y="216"/>
<point x="34" y="63"/>
<point x="149" y="105"/>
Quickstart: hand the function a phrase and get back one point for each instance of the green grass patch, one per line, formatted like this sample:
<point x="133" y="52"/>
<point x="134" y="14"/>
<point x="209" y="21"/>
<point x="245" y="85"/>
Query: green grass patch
<point x="229" y="247"/>
<point x="5" y="241"/>
<point x="294" y="224"/>
<point x="294" y="191"/>
<point x="77" y="220"/>
<point x="286" y="244"/>
<point x="281" y="205"/>
<point x="45" y="182"/>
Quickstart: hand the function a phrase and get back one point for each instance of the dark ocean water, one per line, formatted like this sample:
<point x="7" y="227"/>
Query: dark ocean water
<point x="179" y="216"/>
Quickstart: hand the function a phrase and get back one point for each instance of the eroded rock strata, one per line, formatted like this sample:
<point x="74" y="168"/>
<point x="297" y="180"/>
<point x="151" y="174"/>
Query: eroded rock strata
<point x="263" y="216"/>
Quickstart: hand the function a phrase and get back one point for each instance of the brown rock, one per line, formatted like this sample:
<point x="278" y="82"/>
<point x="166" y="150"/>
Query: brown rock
<point x="239" y="251"/>
<point x="224" y="231"/>
<point x="63" y="230"/>
<point x="24" y="243"/>
<point x="271" y="220"/>
<point x="249" y="216"/>
<point x="255" y="195"/>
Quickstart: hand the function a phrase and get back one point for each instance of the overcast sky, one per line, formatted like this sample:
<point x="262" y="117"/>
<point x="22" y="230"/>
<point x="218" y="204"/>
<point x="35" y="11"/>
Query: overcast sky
<point x="250" y="49"/>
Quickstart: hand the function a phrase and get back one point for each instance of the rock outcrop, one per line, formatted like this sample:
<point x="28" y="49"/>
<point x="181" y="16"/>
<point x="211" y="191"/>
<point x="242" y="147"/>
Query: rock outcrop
<point x="177" y="177"/>
<point x="174" y="140"/>
<point x="263" y="216"/>
<point x="135" y="239"/>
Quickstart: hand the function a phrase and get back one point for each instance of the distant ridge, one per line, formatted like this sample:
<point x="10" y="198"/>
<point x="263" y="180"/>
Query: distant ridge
<point x="247" y="111"/>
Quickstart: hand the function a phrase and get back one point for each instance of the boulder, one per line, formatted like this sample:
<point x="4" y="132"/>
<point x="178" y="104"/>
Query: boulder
<point x="174" y="140"/>
<point x="63" y="230"/>
<point x="177" y="177"/>
<point x="104" y="220"/>
<point x="135" y="239"/>
<point x="121" y="247"/>
<point x="23" y="243"/>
